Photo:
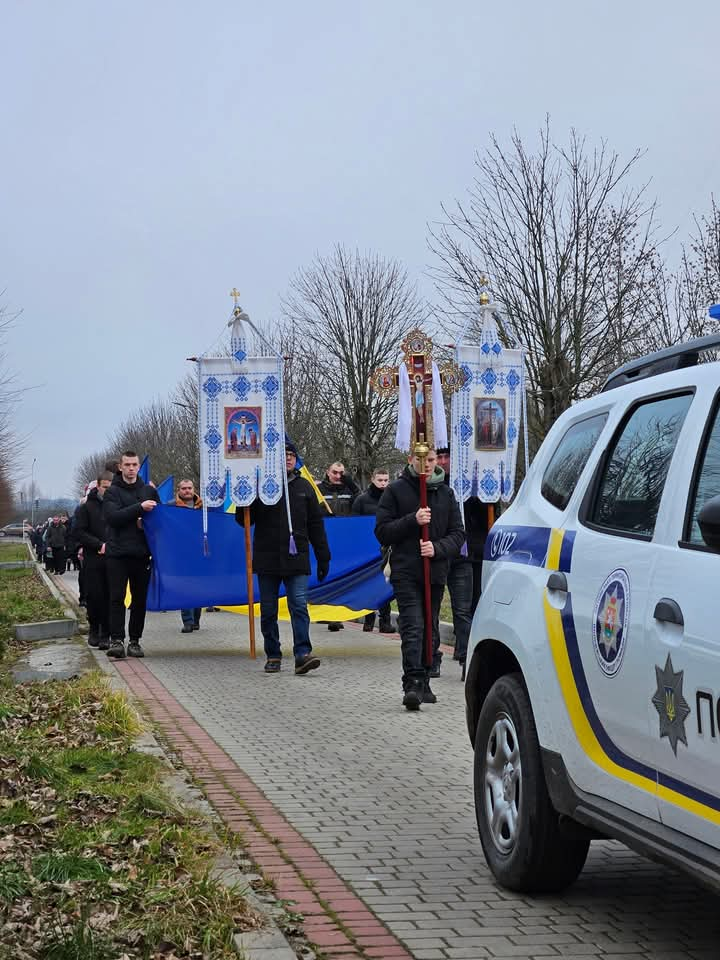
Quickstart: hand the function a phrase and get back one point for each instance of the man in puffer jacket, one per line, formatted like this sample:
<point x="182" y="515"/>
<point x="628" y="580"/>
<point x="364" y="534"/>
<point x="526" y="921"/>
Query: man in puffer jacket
<point x="398" y="525"/>
<point x="128" y="556"/>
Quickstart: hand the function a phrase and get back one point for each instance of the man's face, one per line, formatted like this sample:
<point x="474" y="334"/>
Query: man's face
<point x="430" y="463"/>
<point x="381" y="480"/>
<point x="290" y="460"/>
<point x="129" y="467"/>
<point x="443" y="460"/>
<point x="186" y="490"/>
<point x="336" y="473"/>
<point x="102" y="487"/>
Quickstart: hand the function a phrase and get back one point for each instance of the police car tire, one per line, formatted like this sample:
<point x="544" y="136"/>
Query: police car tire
<point x="542" y="857"/>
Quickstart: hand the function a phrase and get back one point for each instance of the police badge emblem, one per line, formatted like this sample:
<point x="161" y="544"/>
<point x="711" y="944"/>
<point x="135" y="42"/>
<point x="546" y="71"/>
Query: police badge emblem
<point x="611" y="619"/>
<point x="672" y="707"/>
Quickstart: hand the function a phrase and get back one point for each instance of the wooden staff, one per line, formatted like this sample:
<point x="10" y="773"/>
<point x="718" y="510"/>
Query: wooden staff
<point x="249" y="573"/>
<point x="421" y="451"/>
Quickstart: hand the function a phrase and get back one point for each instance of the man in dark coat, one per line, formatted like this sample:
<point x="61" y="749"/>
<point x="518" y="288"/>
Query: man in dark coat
<point x="91" y="533"/>
<point x="339" y="490"/>
<point x="57" y="541"/>
<point x="397" y="525"/>
<point x="366" y="506"/>
<point x="128" y="557"/>
<point x="274" y="564"/>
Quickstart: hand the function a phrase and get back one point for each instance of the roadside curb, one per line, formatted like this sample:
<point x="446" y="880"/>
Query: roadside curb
<point x="49" y="629"/>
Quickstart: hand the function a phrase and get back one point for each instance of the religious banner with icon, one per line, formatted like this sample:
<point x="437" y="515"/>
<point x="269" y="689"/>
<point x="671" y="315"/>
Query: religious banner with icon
<point x="242" y="439"/>
<point x="486" y="415"/>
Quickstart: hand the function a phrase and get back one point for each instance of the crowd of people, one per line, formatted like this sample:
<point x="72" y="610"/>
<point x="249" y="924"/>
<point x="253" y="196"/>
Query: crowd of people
<point x="107" y="541"/>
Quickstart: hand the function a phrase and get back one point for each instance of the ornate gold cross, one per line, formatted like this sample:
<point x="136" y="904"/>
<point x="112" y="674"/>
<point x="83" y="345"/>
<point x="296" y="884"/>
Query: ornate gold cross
<point x="417" y="350"/>
<point x="235" y="294"/>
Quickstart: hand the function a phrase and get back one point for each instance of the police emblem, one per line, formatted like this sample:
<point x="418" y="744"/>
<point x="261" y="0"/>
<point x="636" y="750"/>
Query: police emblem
<point x="671" y="705"/>
<point x="611" y="619"/>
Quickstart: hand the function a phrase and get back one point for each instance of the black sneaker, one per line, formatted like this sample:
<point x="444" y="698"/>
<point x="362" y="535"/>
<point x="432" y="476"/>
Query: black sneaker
<point x="428" y="695"/>
<point x="434" y="671"/>
<point x="334" y="627"/>
<point x="187" y="628"/>
<point x="307" y="663"/>
<point x="116" y="650"/>
<point x="93" y="639"/>
<point x="387" y="627"/>
<point x="103" y="642"/>
<point x="196" y="626"/>
<point x="413" y="696"/>
<point x="134" y="649"/>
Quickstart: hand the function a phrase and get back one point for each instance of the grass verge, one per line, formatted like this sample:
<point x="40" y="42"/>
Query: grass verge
<point x="97" y="860"/>
<point x="24" y="598"/>
<point x="13" y="551"/>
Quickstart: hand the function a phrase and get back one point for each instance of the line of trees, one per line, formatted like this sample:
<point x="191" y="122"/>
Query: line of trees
<point x="9" y="394"/>
<point x="575" y="258"/>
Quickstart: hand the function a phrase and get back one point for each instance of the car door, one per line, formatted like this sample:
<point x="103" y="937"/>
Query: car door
<point x="609" y="589"/>
<point x="683" y="680"/>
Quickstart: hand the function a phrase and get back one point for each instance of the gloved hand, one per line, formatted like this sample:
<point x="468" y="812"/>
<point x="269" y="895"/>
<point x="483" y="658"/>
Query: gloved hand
<point x="322" y="569"/>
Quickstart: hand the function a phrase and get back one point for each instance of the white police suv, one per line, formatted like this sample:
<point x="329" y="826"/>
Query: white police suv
<point x="593" y="683"/>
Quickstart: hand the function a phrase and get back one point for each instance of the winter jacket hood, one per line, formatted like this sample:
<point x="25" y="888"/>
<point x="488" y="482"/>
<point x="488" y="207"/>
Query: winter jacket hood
<point x="195" y="505"/>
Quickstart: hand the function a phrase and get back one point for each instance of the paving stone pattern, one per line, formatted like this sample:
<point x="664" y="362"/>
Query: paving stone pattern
<point x="385" y="797"/>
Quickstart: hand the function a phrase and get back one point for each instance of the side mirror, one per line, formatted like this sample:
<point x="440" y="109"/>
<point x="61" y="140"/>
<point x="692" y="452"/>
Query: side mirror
<point x="709" y="523"/>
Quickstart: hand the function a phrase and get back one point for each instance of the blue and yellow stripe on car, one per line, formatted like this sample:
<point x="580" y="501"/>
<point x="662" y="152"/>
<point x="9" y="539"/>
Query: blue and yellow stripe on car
<point x="589" y="730"/>
<point x="527" y="548"/>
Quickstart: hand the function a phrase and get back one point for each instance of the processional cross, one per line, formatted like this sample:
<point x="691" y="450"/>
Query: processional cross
<point x="417" y="379"/>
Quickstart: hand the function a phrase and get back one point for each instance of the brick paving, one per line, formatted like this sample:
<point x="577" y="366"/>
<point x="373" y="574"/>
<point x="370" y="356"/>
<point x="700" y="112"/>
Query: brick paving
<point x="353" y="805"/>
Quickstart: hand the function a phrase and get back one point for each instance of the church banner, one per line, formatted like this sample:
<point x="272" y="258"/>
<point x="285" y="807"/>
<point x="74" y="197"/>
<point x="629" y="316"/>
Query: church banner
<point x="486" y="418"/>
<point x="242" y="448"/>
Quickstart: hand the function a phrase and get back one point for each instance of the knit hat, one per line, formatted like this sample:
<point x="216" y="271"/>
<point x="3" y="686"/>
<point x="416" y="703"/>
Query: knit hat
<point x="290" y="447"/>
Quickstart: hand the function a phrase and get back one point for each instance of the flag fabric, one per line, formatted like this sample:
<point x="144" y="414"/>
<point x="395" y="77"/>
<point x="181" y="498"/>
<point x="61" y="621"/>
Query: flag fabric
<point x="166" y="490"/>
<point x="486" y="417"/>
<point x="183" y="576"/>
<point x="144" y="471"/>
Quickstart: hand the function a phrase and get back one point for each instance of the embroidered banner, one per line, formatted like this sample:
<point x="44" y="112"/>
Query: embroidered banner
<point x="242" y="450"/>
<point x="486" y="415"/>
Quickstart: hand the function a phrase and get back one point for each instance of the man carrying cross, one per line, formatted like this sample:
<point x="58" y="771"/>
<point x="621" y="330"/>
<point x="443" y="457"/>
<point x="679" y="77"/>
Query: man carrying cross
<point x="418" y="516"/>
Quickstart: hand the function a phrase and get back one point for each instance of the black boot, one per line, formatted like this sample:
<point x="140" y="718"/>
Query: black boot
<point x="386" y="626"/>
<point x="428" y="695"/>
<point x="369" y="623"/>
<point x="93" y="637"/>
<point x="414" y="690"/>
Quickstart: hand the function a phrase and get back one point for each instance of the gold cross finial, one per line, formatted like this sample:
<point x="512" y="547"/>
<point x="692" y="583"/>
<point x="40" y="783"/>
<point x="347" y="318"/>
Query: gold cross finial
<point x="235" y="293"/>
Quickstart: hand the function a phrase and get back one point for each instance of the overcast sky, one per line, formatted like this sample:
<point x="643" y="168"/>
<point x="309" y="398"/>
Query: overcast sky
<point x="158" y="152"/>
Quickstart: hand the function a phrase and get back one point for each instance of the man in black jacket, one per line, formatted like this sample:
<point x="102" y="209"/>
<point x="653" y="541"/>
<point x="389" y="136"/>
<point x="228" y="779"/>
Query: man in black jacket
<point x="366" y="506"/>
<point x="398" y="521"/>
<point x="274" y="564"/>
<point x="339" y="490"/>
<point x="91" y="533"/>
<point x="128" y="558"/>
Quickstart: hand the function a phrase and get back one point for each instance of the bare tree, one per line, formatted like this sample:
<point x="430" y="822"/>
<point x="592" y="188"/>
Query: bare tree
<point x="345" y="315"/>
<point x="9" y="445"/>
<point x="569" y="247"/>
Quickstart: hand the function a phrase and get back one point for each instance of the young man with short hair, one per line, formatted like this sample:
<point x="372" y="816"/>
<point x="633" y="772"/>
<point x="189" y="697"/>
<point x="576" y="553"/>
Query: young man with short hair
<point x="126" y="502"/>
<point x="398" y="524"/>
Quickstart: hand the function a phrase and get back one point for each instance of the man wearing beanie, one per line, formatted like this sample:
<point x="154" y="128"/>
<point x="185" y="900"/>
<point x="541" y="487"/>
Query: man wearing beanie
<point x="275" y="564"/>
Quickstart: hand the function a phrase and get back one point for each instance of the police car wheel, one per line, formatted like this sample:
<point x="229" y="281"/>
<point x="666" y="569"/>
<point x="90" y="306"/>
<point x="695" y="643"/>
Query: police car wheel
<point x="522" y="839"/>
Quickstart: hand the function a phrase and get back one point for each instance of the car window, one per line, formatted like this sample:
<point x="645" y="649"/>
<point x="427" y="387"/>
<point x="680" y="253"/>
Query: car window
<point x="707" y="482"/>
<point x="630" y="489"/>
<point x="567" y="463"/>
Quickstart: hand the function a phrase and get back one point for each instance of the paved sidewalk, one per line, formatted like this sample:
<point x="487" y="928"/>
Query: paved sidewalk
<point x="385" y="797"/>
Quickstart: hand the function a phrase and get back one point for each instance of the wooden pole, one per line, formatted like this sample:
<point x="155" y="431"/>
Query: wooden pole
<point x="490" y="515"/>
<point x="249" y="572"/>
<point x="425" y="536"/>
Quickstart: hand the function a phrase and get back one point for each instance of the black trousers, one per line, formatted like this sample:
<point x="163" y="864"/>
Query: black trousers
<point x="122" y="571"/>
<point x="97" y="594"/>
<point x="409" y="595"/>
<point x="58" y="559"/>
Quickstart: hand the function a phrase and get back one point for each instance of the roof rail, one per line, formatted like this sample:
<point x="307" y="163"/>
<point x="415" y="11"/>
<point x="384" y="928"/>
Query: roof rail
<point x="672" y="358"/>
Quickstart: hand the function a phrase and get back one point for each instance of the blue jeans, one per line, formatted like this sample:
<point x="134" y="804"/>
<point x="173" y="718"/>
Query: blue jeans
<point x="189" y="617"/>
<point x="297" y="592"/>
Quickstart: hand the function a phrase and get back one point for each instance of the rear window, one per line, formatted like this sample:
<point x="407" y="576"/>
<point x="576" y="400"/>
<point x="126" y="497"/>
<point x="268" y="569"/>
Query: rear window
<point x="568" y="462"/>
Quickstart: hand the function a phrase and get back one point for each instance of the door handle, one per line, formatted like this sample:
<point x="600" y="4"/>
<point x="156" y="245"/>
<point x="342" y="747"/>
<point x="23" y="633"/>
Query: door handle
<point x="668" y="611"/>
<point x="557" y="581"/>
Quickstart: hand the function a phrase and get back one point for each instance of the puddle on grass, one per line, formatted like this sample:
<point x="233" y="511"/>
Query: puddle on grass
<point x="57" y="660"/>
